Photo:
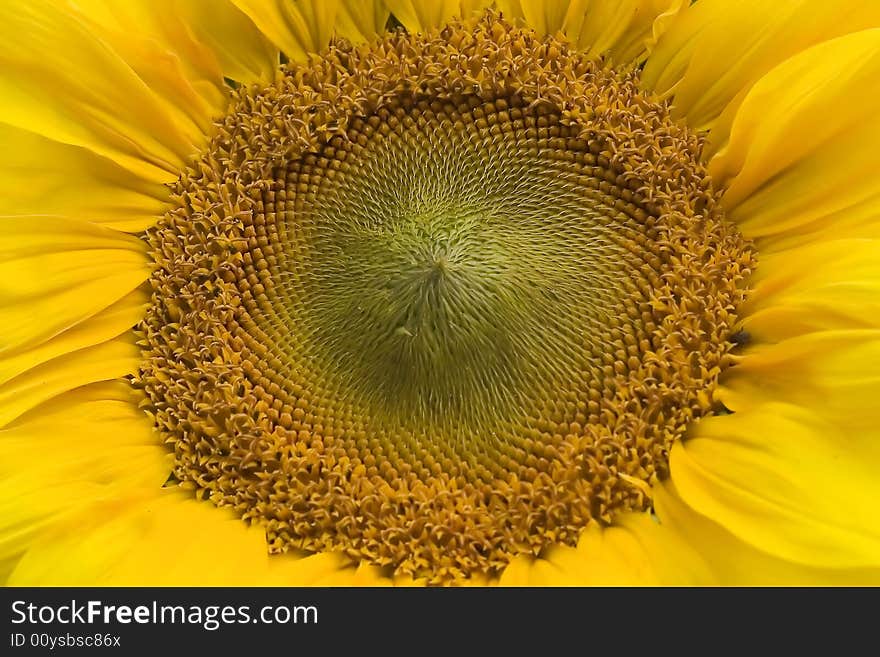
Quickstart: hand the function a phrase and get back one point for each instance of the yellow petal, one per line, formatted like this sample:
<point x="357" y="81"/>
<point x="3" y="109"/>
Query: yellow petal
<point x="832" y="284"/>
<point x="407" y="581"/>
<point x="111" y="322"/>
<point x="716" y="50"/>
<point x="624" y="31"/>
<point x="422" y="15"/>
<point x="242" y="51"/>
<point x="206" y="40"/>
<point x="732" y="562"/>
<point x="354" y="575"/>
<point x="301" y="28"/>
<point x="191" y="90"/>
<point x="96" y="157"/>
<point x="84" y="506"/>
<point x="545" y="17"/>
<point x="148" y="537"/>
<point x="106" y="439"/>
<point x="636" y="550"/>
<point x="834" y="373"/>
<point x="58" y="79"/>
<point x="42" y="176"/>
<point x="780" y="478"/>
<point x="106" y="445"/>
<point x="676" y="546"/>
<point x="517" y="572"/>
<point x="103" y="362"/>
<point x="55" y="272"/>
<point x="298" y="570"/>
<point x="359" y="21"/>
<point x="803" y="147"/>
<point x="26" y="512"/>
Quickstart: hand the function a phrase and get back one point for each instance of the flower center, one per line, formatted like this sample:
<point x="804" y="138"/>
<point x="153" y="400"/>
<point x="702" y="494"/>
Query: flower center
<point x="438" y="301"/>
<point x="460" y="261"/>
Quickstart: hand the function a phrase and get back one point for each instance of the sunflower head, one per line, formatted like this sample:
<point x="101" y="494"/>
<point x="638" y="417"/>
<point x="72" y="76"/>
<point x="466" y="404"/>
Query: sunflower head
<point x="441" y="292"/>
<point x="433" y="316"/>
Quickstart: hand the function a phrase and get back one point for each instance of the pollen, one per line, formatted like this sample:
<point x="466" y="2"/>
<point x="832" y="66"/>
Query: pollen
<point x="439" y="300"/>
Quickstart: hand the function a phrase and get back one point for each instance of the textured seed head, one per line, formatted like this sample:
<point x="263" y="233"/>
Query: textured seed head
<point x="439" y="300"/>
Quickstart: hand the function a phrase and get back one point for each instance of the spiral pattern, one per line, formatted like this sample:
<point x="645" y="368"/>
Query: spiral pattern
<point x="439" y="301"/>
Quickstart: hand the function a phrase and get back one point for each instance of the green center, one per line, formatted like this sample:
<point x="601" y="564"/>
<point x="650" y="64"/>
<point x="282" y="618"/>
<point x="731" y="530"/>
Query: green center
<point x="460" y="273"/>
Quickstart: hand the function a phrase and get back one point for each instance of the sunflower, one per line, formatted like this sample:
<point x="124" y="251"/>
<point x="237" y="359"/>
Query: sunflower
<point x="542" y="292"/>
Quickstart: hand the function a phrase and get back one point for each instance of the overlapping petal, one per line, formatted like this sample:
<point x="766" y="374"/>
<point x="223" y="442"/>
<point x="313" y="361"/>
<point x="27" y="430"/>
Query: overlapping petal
<point x="826" y="285"/>
<point x="49" y="475"/>
<point x="41" y="176"/>
<point x="301" y="28"/>
<point x="804" y="146"/>
<point x="60" y="80"/>
<point x="787" y="482"/>
<point x="421" y="15"/>
<point x="623" y="31"/>
<point x="714" y="52"/>
<point x="56" y="273"/>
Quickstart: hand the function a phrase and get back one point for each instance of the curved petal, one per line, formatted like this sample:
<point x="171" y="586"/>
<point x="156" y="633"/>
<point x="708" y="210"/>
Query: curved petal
<point x="625" y="31"/>
<point x="635" y="551"/>
<point x="422" y="15"/>
<point x="95" y="149"/>
<point x="103" y="362"/>
<point x="42" y="176"/>
<point x="788" y="168"/>
<point x="190" y="88"/>
<point x="786" y="482"/>
<point x="86" y="507"/>
<point x="293" y="570"/>
<point x="675" y="547"/>
<point x="152" y="536"/>
<point x="145" y="537"/>
<point x="359" y="21"/>
<point x="55" y="273"/>
<point x="354" y="575"/>
<point x="109" y="323"/>
<point x="107" y="444"/>
<point x="733" y="562"/>
<point x="716" y="50"/>
<point x="203" y="41"/>
<point x="60" y="80"/>
<point x="840" y="369"/>
<point x="546" y="16"/>
<point x="26" y="511"/>
<point x="301" y="28"/>
<point x="107" y="440"/>
<point x="631" y="33"/>
<point x="828" y="285"/>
